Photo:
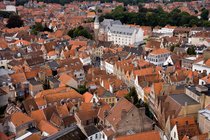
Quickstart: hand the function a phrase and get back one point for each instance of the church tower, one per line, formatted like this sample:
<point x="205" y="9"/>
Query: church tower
<point x="96" y="28"/>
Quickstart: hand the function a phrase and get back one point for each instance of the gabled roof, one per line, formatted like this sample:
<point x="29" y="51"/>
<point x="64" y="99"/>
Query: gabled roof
<point x="18" y="77"/>
<point x="103" y="111"/>
<point x="19" y="119"/>
<point x="160" y="51"/>
<point x="62" y="110"/>
<point x="45" y="126"/>
<point x="30" y="104"/>
<point x="72" y="94"/>
<point x="38" y="115"/>
<point x="87" y="96"/>
<point x="151" y="135"/>
<point x="91" y="130"/>
<point x="114" y="115"/>
<point x="185" y="126"/>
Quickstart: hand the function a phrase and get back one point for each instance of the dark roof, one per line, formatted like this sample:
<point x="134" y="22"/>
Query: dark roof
<point x="134" y="50"/>
<point x="104" y="44"/>
<point x="53" y="65"/>
<point x="49" y="111"/>
<point x="35" y="61"/>
<point x="53" y="79"/>
<point x="107" y="94"/>
<point x="193" y="89"/>
<point x="6" y="54"/>
<point x="182" y="98"/>
<point x="30" y="104"/>
<point x="69" y="133"/>
<point x="91" y="130"/>
<point x="68" y="120"/>
<point x="34" y="82"/>
<point x="16" y="62"/>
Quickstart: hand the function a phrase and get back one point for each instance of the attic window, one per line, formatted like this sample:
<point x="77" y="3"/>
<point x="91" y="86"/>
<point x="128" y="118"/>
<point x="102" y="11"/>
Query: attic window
<point x="186" y="122"/>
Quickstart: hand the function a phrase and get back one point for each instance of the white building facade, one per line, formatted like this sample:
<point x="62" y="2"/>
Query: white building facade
<point x="158" y="57"/>
<point x="200" y="67"/>
<point x="124" y="35"/>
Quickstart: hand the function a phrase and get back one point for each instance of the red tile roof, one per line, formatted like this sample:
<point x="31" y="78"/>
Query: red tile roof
<point x="20" y="118"/>
<point x="87" y="97"/>
<point x="38" y="115"/>
<point x="114" y="116"/>
<point x="151" y="135"/>
<point x="45" y="126"/>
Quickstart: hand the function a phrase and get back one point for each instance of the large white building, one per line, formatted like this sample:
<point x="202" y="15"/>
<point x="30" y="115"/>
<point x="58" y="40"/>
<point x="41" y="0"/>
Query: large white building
<point x="158" y="57"/>
<point x="119" y="34"/>
<point x="165" y="31"/>
<point x="202" y="66"/>
<point x="125" y="35"/>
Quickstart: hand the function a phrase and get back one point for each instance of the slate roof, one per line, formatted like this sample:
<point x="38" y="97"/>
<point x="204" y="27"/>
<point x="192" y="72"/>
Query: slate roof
<point x="91" y="130"/>
<point x="34" y="82"/>
<point x="122" y="29"/>
<point x="182" y="98"/>
<point x="134" y="50"/>
<point x="69" y="133"/>
<point x="53" y="65"/>
<point x="107" y="22"/>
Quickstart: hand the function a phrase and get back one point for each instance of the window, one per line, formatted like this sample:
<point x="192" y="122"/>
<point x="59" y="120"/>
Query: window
<point x="91" y="138"/>
<point x="186" y="122"/>
<point x="96" y="136"/>
<point x="174" y="134"/>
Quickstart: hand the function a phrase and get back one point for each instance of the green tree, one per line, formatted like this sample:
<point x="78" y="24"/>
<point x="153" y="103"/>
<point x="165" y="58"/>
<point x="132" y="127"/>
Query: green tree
<point x="14" y="21"/>
<point x="38" y="27"/>
<point x="99" y="11"/>
<point x="79" y="31"/>
<point x="191" y="51"/>
<point x="132" y="96"/>
<point x="155" y="17"/>
<point x="173" y="47"/>
<point x="205" y="14"/>
<point x="81" y="89"/>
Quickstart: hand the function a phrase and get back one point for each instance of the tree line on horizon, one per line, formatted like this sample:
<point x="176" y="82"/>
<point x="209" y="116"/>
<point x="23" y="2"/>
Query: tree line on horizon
<point x="126" y="2"/>
<point x="158" y="17"/>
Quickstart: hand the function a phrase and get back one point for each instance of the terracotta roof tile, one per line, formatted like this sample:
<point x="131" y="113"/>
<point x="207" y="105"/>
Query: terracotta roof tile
<point x="121" y="93"/>
<point x="158" y="87"/>
<point x="114" y="116"/>
<point x="160" y="51"/>
<point x="38" y="115"/>
<point x="40" y="101"/>
<point x="151" y="135"/>
<point x="87" y="97"/>
<point x="62" y="110"/>
<point x="101" y="113"/>
<point x="72" y="94"/>
<point x="186" y="126"/>
<point x="45" y="126"/>
<point x="51" y="91"/>
<point x="20" y="118"/>
<point x="18" y="77"/>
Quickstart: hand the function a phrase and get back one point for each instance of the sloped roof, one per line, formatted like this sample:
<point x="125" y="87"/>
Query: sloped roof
<point x="151" y="135"/>
<point x="114" y="116"/>
<point x="19" y="118"/>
